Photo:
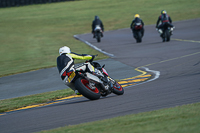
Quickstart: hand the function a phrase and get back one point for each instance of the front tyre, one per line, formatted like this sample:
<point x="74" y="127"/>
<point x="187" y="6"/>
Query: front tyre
<point x="117" y="88"/>
<point x="82" y="85"/>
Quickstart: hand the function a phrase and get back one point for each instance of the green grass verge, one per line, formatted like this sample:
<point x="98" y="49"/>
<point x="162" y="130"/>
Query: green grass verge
<point x="30" y="36"/>
<point x="19" y="102"/>
<point x="181" y="119"/>
<point x="15" y="103"/>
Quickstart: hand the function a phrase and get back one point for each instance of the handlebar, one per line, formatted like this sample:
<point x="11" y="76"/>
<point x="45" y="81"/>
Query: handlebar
<point x="93" y="56"/>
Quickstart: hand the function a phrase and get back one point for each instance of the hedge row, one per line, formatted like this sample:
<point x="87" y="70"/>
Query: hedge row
<point x="13" y="3"/>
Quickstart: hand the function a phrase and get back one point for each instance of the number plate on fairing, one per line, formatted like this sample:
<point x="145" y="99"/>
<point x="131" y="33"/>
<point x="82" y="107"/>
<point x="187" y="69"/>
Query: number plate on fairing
<point x="71" y="77"/>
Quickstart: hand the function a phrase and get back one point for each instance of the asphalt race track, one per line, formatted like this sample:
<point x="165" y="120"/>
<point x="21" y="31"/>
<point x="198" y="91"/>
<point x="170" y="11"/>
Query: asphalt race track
<point x="46" y="80"/>
<point x="178" y="62"/>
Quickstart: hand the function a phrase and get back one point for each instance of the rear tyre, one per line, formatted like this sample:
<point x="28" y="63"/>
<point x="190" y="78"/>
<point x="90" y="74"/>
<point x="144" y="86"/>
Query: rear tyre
<point x="167" y="36"/>
<point x="98" y="37"/>
<point x="139" y="40"/>
<point x="139" y="37"/>
<point x="81" y="85"/>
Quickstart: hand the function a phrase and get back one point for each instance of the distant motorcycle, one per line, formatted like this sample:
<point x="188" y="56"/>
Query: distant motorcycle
<point x="96" y="84"/>
<point x="165" y="32"/>
<point x="137" y="34"/>
<point x="98" y="33"/>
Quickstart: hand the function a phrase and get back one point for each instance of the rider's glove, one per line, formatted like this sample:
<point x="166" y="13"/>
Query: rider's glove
<point x="93" y="56"/>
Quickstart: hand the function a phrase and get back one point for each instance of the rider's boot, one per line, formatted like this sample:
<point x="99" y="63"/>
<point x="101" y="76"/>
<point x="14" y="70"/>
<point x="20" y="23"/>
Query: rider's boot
<point x="101" y="34"/>
<point x="161" y="35"/>
<point x="171" y="30"/>
<point x="93" y="34"/>
<point x="163" y="40"/>
<point x="160" y="31"/>
<point x="77" y="93"/>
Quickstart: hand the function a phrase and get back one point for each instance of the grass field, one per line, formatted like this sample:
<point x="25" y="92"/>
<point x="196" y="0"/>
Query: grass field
<point x="30" y="36"/>
<point x="182" y="119"/>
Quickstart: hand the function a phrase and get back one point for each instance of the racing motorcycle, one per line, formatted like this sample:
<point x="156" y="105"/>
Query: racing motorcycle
<point x="137" y="34"/>
<point x="165" y="32"/>
<point x="96" y="84"/>
<point x="98" y="33"/>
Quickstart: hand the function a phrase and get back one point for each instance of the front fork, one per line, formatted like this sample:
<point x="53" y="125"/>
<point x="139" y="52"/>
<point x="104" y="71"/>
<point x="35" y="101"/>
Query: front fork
<point x="108" y="83"/>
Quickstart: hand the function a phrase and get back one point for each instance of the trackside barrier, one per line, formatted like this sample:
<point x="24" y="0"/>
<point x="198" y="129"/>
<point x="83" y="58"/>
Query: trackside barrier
<point x="16" y="3"/>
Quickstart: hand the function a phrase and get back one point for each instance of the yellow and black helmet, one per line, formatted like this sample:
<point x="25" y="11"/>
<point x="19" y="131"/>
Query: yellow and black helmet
<point x="137" y="15"/>
<point x="163" y="12"/>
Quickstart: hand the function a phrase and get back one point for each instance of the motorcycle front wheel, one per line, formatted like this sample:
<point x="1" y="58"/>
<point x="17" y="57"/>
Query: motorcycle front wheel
<point x="82" y="85"/>
<point x="117" y="88"/>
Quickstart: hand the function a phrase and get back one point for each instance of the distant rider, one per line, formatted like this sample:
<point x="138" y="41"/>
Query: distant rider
<point x="96" y="22"/>
<point x="135" y="27"/>
<point x="65" y="63"/>
<point x="165" y="19"/>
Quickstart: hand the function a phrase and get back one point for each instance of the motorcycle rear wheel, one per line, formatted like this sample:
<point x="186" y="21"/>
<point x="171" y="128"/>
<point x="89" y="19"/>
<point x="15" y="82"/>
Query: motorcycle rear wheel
<point x="99" y="37"/>
<point x="81" y="85"/>
<point x="139" y="37"/>
<point x="167" y="36"/>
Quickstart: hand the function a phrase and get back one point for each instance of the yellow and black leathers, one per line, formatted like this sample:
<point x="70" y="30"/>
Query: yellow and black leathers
<point x="65" y="62"/>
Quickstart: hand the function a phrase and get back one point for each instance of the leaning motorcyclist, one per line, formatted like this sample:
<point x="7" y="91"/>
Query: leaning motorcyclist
<point x="65" y="63"/>
<point x="96" y="22"/>
<point x="165" y="19"/>
<point x="134" y="27"/>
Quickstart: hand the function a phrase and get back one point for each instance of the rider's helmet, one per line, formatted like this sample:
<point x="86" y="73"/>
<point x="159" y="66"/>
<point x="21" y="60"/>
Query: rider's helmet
<point x="64" y="49"/>
<point x="163" y="12"/>
<point x="96" y="17"/>
<point x="137" y="15"/>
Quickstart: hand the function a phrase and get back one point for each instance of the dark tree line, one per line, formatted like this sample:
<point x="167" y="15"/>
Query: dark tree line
<point x="13" y="3"/>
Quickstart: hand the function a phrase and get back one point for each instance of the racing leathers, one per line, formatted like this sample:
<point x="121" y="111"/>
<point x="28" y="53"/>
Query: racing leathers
<point x="165" y="21"/>
<point x="65" y="63"/>
<point x="96" y="22"/>
<point x="136" y="27"/>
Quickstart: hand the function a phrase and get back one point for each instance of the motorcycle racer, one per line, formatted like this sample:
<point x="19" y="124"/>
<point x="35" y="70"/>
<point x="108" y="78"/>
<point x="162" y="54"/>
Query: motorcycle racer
<point x="165" y="19"/>
<point x="95" y="22"/>
<point x="65" y="63"/>
<point x="133" y="24"/>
